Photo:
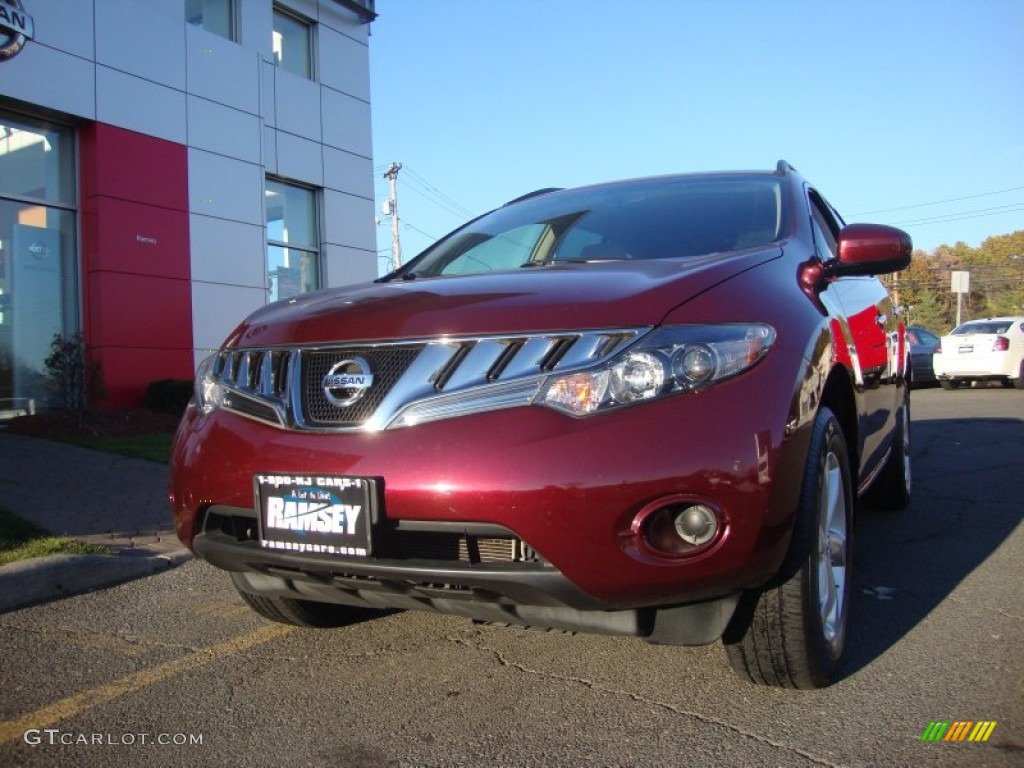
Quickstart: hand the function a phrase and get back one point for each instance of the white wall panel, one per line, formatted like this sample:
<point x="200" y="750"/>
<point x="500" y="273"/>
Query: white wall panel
<point x="227" y="252"/>
<point x="65" y="26"/>
<point x="298" y="105"/>
<point x="343" y="20"/>
<point x="349" y="221"/>
<point x="217" y="309"/>
<point x="344" y="64"/>
<point x="349" y="173"/>
<point x="223" y="130"/>
<point x="346" y="123"/>
<point x="140" y="105"/>
<point x="131" y="38"/>
<point x="225" y="188"/>
<point x="300" y="159"/>
<point x="255" y="24"/>
<point x="270" y="150"/>
<point x="222" y="71"/>
<point x="268" y="101"/>
<point x="52" y="79"/>
<point x="347" y="265"/>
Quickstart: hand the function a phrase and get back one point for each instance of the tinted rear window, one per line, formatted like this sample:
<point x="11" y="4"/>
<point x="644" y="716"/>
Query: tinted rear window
<point x="985" y="327"/>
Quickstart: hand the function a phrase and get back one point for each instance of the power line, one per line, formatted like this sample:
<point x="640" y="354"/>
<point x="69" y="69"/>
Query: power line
<point x="976" y="214"/>
<point x="407" y="225"/>
<point x="461" y="209"/>
<point x="939" y="202"/>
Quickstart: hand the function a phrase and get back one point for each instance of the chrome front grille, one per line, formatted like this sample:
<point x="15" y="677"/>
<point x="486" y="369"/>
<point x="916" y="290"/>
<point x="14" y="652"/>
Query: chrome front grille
<point x="413" y="382"/>
<point x="387" y="363"/>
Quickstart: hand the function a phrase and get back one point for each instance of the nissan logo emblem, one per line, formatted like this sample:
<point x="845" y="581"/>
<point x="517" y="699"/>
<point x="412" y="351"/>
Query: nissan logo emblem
<point x="16" y="27"/>
<point x="347" y="382"/>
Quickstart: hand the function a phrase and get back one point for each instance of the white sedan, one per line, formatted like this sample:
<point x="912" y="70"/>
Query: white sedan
<point x="982" y="350"/>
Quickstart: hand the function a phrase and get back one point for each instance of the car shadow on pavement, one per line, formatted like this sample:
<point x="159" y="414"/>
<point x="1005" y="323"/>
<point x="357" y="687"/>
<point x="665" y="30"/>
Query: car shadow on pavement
<point x="968" y="483"/>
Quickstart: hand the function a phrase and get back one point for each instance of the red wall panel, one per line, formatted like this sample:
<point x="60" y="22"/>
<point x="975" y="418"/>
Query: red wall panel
<point x="135" y="259"/>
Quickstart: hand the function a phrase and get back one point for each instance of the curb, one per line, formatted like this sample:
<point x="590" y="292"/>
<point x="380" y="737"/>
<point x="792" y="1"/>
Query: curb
<point x="42" y="579"/>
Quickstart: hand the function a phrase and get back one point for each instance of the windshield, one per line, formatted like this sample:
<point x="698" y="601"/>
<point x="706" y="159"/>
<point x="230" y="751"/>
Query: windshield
<point x="648" y="219"/>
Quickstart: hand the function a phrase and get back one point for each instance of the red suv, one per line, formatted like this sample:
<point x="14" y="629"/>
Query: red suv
<point x="641" y="408"/>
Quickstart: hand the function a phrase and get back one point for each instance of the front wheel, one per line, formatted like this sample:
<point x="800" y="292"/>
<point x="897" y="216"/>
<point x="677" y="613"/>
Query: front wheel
<point x="792" y="634"/>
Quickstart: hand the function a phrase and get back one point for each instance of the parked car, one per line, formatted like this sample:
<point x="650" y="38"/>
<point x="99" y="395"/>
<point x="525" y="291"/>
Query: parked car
<point x="982" y="350"/>
<point x="640" y="408"/>
<point x="922" y="344"/>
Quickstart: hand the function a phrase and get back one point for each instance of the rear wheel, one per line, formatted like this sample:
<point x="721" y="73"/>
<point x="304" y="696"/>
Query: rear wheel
<point x="1019" y="381"/>
<point x="948" y="384"/>
<point x="304" y="613"/>
<point x="792" y="635"/>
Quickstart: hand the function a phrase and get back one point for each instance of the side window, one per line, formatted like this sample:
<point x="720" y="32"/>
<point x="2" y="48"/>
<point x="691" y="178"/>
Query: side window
<point x="293" y="239"/>
<point x="826" y="229"/>
<point x="216" y="16"/>
<point x="292" y="43"/>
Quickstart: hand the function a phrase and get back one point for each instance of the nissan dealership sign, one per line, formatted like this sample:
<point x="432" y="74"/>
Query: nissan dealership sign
<point x="16" y="28"/>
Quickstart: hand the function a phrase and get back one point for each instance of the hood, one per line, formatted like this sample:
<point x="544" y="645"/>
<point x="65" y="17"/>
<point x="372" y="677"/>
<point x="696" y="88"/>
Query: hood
<point x="560" y="297"/>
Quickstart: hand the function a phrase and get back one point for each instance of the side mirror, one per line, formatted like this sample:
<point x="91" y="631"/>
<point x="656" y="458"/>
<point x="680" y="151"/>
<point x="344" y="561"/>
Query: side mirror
<point x="871" y="249"/>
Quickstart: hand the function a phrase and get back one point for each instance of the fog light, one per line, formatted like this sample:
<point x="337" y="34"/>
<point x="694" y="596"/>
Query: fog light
<point x="696" y="525"/>
<point x="675" y="526"/>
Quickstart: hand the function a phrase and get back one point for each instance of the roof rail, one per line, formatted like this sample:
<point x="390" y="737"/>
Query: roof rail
<point x="535" y="193"/>
<point x="782" y="167"/>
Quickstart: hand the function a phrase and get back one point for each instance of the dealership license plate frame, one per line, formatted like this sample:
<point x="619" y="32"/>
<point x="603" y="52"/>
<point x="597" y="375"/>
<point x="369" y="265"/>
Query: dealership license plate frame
<point x="316" y="514"/>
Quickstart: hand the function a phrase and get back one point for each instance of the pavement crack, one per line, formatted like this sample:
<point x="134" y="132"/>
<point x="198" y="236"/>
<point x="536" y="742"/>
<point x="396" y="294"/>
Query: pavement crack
<point x="641" y="699"/>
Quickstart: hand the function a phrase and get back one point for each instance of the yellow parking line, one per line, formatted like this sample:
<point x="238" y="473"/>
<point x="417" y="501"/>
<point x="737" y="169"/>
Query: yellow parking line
<point x="11" y="730"/>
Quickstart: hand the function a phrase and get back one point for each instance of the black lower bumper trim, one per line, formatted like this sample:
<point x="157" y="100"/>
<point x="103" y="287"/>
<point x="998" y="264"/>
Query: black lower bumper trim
<point x="524" y="594"/>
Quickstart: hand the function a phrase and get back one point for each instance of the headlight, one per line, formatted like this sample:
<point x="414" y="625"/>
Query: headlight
<point x="670" y="360"/>
<point x="209" y="393"/>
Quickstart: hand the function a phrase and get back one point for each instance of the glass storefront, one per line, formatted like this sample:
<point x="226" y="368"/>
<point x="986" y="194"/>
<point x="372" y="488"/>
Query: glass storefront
<point x="38" y="263"/>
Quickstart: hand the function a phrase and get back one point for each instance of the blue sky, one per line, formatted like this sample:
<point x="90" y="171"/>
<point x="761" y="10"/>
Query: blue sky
<point x="887" y="107"/>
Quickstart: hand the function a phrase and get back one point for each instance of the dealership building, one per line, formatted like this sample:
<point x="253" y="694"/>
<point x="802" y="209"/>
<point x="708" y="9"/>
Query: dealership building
<point x="167" y="167"/>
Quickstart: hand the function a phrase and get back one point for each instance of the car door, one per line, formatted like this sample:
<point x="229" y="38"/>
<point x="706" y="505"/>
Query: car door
<point x="873" y="339"/>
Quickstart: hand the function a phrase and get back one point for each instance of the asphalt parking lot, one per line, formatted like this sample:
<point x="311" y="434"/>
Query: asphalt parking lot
<point x="172" y="669"/>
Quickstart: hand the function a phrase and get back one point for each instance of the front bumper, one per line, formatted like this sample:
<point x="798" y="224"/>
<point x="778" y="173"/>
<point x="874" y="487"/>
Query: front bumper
<point x="569" y="489"/>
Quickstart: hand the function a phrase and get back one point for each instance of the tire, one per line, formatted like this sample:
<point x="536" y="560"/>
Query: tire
<point x="305" y="613"/>
<point x="1018" y="383"/>
<point x="948" y="384"/>
<point x="894" y="483"/>
<point x="791" y="634"/>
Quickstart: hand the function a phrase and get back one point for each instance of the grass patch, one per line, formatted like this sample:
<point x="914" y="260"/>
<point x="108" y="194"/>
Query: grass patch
<point x="155" y="446"/>
<point x="20" y="539"/>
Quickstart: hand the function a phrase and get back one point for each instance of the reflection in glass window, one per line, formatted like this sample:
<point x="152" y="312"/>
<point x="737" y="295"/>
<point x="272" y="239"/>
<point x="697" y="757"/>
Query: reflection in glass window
<point x="292" y="43"/>
<point x="36" y="161"/>
<point x="216" y="16"/>
<point x="38" y="267"/>
<point x="293" y="241"/>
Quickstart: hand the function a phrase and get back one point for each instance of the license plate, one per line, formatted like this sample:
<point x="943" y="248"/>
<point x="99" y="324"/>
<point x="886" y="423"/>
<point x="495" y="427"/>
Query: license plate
<point x="966" y="349"/>
<point x="323" y="514"/>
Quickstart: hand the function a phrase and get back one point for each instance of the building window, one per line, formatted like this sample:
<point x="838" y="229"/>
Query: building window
<point x="293" y="240"/>
<point x="38" y="255"/>
<point x="216" y="16"/>
<point x="293" y="43"/>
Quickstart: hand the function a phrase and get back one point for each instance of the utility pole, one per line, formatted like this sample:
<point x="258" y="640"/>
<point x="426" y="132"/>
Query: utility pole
<point x="396" y="245"/>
